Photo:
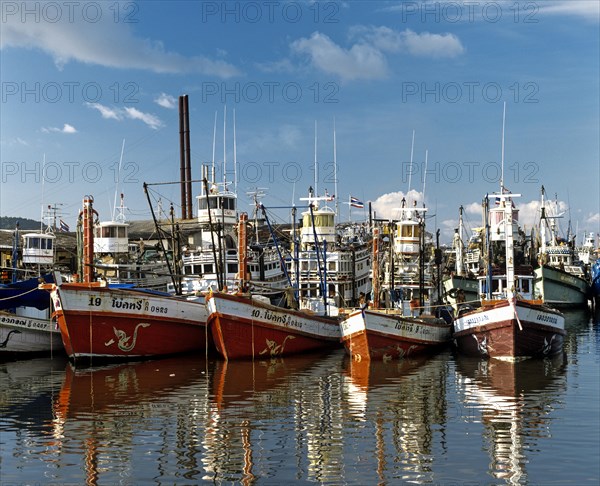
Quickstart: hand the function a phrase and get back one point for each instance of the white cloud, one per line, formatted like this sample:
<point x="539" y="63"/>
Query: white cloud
<point x="65" y="129"/>
<point x="432" y="45"/>
<point x="386" y="206"/>
<point x="105" y="43"/>
<point x="587" y="9"/>
<point x="166" y="101"/>
<point x="106" y="112"/>
<point x="132" y="113"/>
<point x="150" y="120"/>
<point x="361" y="61"/>
<point x="366" y="58"/>
<point x="423" y="44"/>
<point x="473" y="208"/>
<point x="467" y="11"/>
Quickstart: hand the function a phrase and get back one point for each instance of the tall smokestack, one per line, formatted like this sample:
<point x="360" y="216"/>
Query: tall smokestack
<point x="188" y="161"/>
<point x="182" y="159"/>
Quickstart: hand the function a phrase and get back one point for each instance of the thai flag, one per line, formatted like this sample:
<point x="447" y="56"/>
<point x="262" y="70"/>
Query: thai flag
<point x="64" y="226"/>
<point x="356" y="203"/>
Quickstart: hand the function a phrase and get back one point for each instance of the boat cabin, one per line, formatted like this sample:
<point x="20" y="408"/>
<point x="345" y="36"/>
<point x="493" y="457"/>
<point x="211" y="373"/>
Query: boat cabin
<point x="111" y="237"/>
<point x="523" y="286"/>
<point x="38" y="249"/>
<point x="324" y="227"/>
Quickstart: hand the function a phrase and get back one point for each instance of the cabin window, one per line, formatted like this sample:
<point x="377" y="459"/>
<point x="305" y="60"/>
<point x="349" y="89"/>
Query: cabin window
<point x="525" y="286"/>
<point x="33" y="243"/>
<point x="232" y="268"/>
<point x="122" y="232"/>
<point x="208" y="268"/>
<point x="331" y="266"/>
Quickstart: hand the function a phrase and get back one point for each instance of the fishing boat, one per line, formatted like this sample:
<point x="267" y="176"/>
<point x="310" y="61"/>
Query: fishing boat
<point x="390" y="333"/>
<point x="249" y="327"/>
<point x="100" y="322"/>
<point x="245" y="327"/>
<point x="25" y="324"/>
<point x="558" y="281"/>
<point x="510" y="324"/>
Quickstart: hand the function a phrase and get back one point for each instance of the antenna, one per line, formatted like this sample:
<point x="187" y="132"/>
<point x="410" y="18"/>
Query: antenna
<point x="412" y="148"/>
<point x="43" y="180"/>
<point x="425" y="175"/>
<point x="502" y="159"/>
<point x="118" y="178"/>
<point x="316" y="166"/>
<point x="335" y="180"/>
<point x="224" y="148"/>
<point x="234" y="156"/>
<point x="214" y="147"/>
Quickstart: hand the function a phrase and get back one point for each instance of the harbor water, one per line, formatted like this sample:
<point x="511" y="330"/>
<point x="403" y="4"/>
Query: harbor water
<point x="443" y="420"/>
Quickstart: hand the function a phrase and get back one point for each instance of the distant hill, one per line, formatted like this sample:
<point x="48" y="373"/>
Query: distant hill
<point x="10" y="222"/>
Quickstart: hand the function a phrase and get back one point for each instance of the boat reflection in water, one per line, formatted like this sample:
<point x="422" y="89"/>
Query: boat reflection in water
<point x="125" y="418"/>
<point x="405" y="402"/>
<point x="516" y="400"/>
<point x="256" y="405"/>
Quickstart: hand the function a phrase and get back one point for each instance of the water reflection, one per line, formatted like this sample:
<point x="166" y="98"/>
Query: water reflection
<point x="405" y="401"/>
<point x="109" y="414"/>
<point x="516" y="401"/>
<point x="264" y="412"/>
<point x="310" y="418"/>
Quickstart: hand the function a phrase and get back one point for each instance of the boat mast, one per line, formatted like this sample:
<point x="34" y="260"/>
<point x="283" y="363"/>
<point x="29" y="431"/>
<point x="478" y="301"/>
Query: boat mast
<point x="375" y="268"/>
<point x="412" y="149"/>
<point x="118" y="177"/>
<point x="502" y="156"/>
<point x="543" y="223"/>
<point x="335" y="180"/>
<point x="316" y="166"/>
<point x="459" y="246"/>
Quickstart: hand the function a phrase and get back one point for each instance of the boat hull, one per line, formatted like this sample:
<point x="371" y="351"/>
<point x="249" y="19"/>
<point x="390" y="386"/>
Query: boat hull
<point x="380" y="336"/>
<point x="494" y="332"/>
<point x="558" y="288"/>
<point x="104" y="323"/>
<point x="21" y="335"/>
<point x="245" y="328"/>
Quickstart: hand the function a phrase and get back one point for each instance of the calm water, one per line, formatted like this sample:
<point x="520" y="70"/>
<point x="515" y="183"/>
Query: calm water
<point x="316" y="419"/>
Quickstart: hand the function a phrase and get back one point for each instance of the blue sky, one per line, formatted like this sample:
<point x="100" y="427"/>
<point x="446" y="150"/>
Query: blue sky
<point x="79" y="78"/>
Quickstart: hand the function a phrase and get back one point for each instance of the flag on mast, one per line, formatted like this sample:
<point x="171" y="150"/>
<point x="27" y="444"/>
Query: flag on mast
<point x="356" y="203"/>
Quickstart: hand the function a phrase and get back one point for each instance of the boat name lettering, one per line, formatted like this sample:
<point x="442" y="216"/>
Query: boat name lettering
<point x="546" y="318"/>
<point x="404" y="326"/>
<point x="477" y="319"/>
<point x="127" y="304"/>
<point x="268" y="316"/>
<point x="24" y="323"/>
